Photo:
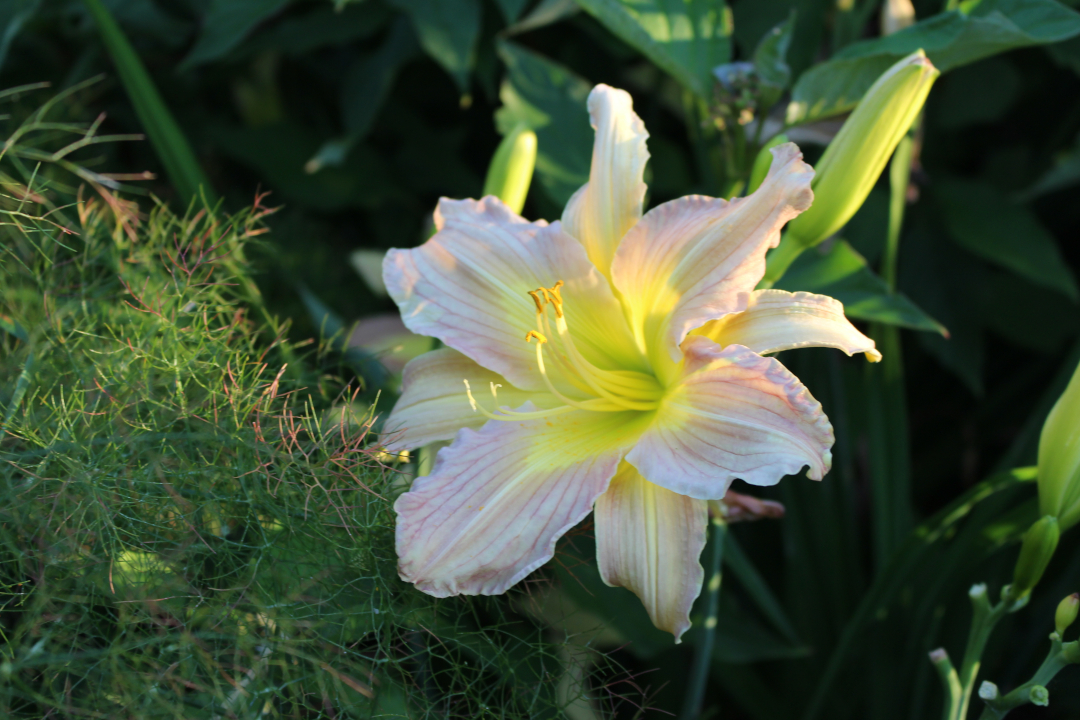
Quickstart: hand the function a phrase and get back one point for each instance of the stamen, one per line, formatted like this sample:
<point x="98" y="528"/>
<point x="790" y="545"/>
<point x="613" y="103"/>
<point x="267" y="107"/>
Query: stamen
<point x="514" y="415"/>
<point x="533" y="334"/>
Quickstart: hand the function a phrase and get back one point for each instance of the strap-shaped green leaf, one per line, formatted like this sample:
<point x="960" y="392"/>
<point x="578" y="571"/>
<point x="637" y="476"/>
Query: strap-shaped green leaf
<point x="161" y="127"/>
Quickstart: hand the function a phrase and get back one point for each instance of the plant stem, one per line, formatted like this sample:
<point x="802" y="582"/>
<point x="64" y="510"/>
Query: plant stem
<point x="950" y="681"/>
<point x="982" y="624"/>
<point x="699" y="673"/>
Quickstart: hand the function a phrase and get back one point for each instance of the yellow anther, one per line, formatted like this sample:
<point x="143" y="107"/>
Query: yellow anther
<point x="533" y="334"/>
<point x="535" y="294"/>
<point x="553" y="296"/>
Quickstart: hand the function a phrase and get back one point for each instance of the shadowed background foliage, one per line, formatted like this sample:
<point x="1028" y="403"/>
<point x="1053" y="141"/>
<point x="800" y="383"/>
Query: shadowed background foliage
<point x="188" y="532"/>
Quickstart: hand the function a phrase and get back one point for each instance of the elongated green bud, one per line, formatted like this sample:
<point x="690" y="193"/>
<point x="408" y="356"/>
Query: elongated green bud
<point x="1040" y="541"/>
<point x="1059" y="457"/>
<point x="855" y="158"/>
<point x="763" y="161"/>
<point x="511" y="168"/>
<point x="1066" y="613"/>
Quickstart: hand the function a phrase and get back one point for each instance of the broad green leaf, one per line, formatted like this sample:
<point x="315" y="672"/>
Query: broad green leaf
<point x="686" y="38"/>
<point x="14" y="14"/>
<point x="225" y="26"/>
<point x="842" y="273"/>
<point x="550" y="100"/>
<point x="950" y="40"/>
<point x="985" y="222"/>
<point x="448" y="31"/>
<point x="369" y="79"/>
<point x="165" y="135"/>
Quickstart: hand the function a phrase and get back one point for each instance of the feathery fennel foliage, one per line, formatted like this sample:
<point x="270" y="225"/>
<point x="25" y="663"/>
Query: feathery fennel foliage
<point x="189" y="528"/>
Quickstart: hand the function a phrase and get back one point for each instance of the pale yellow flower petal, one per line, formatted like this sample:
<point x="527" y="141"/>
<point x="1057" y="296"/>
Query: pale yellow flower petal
<point x="648" y="540"/>
<point x="776" y="320"/>
<point x="499" y="498"/>
<point x="434" y="405"/>
<point x="468" y="286"/>
<point x="601" y="212"/>
<point x="732" y="414"/>
<point x="694" y="259"/>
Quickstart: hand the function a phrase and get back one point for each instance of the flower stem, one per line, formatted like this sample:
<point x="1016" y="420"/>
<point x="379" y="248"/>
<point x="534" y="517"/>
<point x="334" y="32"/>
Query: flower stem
<point x="699" y="673"/>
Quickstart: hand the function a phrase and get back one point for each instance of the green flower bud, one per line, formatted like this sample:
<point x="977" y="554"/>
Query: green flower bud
<point x="1040" y="541"/>
<point x="1059" y="458"/>
<point x="855" y="158"/>
<point x="1066" y="613"/>
<point x="511" y="168"/>
<point x="1039" y="695"/>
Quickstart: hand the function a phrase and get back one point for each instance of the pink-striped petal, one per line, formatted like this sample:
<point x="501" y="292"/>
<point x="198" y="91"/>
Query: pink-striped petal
<point x="499" y="498"/>
<point x="600" y="213"/>
<point x="776" y="320"/>
<point x="733" y="414"/>
<point x="434" y="405"/>
<point x="693" y="259"/>
<point x="648" y="540"/>
<point x="468" y="287"/>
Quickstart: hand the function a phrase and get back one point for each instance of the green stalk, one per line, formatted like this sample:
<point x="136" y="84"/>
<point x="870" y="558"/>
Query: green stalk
<point x="699" y="672"/>
<point x="165" y="135"/>
<point x="888" y="433"/>
<point x="984" y="619"/>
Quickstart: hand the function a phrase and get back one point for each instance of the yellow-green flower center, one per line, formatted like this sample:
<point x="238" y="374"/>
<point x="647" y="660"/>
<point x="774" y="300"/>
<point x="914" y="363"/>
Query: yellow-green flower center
<point x="603" y="390"/>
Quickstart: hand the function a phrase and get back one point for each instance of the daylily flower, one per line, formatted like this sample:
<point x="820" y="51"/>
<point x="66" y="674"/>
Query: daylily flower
<point x="614" y="360"/>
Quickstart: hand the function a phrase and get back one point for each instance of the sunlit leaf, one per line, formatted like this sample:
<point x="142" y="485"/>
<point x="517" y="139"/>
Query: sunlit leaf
<point x="686" y="38"/>
<point x="842" y="273"/>
<point x="550" y="100"/>
<point x="950" y="40"/>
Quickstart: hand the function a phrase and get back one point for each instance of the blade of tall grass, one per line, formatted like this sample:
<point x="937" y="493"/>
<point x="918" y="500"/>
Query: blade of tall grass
<point x="165" y="135"/>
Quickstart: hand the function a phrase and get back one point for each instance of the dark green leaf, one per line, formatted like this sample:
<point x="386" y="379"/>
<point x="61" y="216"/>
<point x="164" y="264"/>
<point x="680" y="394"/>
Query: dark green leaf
<point x="547" y="12"/>
<point x="950" y="40"/>
<point x="280" y="152"/>
<point x="757" y="588"/>
<point x="13" y="16"/>
<point x="319" y="28"/>
<point x="985" y="222"/>
<point x="979" y="93"/>
<point x="739" y="637"/>
<point x="1065" y="173"/>
<point x="511" y="9"/>
<point x="369" y="79"/>
<point x="842" y="273"/>
<point x="550" y="100"/>
<point x="448" y="30"/>
<point x="226" y="24"/>
<point x="770" y="57"/>
<point x="686" y="38"/>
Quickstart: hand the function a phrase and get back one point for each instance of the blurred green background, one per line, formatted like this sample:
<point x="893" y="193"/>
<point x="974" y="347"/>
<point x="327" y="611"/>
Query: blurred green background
<point x="357" y="116"/>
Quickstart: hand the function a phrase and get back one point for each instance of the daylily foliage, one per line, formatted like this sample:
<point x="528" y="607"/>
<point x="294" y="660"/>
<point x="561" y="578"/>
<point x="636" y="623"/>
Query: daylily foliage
<point x="612" y="361"/>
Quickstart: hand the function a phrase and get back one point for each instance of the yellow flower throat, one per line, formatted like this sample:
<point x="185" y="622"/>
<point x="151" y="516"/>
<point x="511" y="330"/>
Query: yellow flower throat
<point x="606" y="390"/>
